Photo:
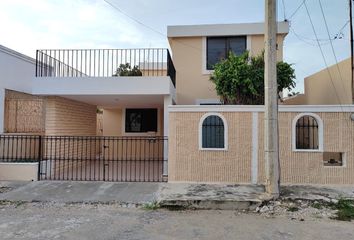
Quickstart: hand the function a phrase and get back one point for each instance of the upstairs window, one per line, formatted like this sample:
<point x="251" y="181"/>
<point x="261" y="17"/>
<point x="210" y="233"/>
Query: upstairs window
<point x="212" y="133"/>
<point x="219" y="47"/>
<point x="141" y="120"/>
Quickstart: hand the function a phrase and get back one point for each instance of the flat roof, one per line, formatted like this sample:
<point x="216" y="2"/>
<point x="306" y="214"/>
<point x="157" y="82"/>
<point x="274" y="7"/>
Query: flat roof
<point x="222" y="29"/>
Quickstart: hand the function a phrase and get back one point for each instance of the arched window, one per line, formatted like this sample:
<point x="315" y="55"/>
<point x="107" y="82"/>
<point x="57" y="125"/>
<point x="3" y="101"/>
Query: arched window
<point x="308" y="131"/>
<point x="212" y="132"/>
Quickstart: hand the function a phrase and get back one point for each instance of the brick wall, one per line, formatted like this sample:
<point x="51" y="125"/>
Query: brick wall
<point x="68" y="117"/>
<point x="189" y="164"/>
<point x="24" y="113"/>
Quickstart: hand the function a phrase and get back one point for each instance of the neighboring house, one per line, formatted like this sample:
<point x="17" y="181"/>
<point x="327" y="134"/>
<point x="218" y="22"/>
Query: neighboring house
<point x="166" y="121"/>
<point x="332" y="85"/>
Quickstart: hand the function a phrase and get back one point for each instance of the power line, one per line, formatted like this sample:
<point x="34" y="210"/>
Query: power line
<point x="132" y="18"/>
<point x="333" y="51"/>
<point x="297" y="9"/>
<point x="146" y="26"/>
<point x="306" y="40"/>
<point x="284" y="10"/>
<point x="327" y="68"/>
<point x="321" y="50"/>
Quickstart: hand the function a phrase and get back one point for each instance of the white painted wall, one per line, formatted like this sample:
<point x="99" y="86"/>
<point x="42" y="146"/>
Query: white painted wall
<point x="16" y="70"/>
<point x="16" y="73"/>
<point x="103" y="85"/>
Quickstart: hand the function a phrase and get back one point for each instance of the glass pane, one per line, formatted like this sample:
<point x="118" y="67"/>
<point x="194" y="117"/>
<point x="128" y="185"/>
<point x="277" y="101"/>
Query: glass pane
<point x="216" y="50"/>
<point x="133" y="121"/>
<point x="307" y="133"/>
<point x="213" y="132"/>
<point x="141" y="120"/>
<point x="150" y="120"/>
<point x="237" y="45"/>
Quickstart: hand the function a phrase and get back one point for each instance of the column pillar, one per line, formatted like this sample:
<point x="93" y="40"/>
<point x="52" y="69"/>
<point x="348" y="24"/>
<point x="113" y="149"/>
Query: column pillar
<point x="2" y="110"/>
<point x="166" y="103"/>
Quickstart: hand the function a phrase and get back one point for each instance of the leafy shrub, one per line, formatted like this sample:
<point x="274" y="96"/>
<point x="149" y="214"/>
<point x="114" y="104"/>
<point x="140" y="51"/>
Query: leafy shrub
<point x="240" y="79"/>
<point x="127" y="70"/>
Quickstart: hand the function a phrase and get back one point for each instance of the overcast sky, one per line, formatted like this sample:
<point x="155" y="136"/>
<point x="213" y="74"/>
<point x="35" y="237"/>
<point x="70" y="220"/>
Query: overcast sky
<point x="27" y="25"/>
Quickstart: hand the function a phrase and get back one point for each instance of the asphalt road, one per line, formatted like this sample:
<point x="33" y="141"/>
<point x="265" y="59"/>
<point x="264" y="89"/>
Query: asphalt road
<point x="77" y="221"/>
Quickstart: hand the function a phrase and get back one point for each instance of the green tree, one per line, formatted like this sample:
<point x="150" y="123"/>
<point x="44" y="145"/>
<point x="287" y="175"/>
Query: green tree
<point x="127" y="70"/>
<point x="240" y="79"/>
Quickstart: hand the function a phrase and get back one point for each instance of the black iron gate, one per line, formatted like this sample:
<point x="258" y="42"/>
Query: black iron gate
<point x="89" y="158"/>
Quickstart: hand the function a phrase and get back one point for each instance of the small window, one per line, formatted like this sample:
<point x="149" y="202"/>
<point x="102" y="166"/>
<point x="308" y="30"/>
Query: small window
<point x="307" y="136"/>
<point x="213" y="132"/>
<point x="140" y="120"/>
<point x="219" y="47"/>
<point x="333" y="159"/>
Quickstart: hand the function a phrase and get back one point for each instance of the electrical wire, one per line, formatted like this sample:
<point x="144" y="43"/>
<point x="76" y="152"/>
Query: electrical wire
<point x="327" y="67"/>
<point x="146" y="26"/>
<point x="333" y="51"/>
<point x="297" y="9"/>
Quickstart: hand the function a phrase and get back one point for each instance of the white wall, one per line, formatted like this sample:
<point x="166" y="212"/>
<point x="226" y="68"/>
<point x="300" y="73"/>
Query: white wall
<point x="103" y="85"/>
<point x="16" y="73"/>
<point x="16" y="70"/>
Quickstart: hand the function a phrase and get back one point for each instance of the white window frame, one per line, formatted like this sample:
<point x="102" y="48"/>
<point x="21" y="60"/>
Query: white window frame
<point x="124" y="133"/>
<point x="205" y="71"/>
<point x="320" y="133"/>
<point x="225" y="148"/>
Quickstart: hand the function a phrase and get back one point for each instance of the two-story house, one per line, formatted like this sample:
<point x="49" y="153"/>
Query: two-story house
<point x="160" y="116"/>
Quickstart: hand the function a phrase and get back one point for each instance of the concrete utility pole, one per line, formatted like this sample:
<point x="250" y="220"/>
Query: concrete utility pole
<point x="271" y="149"/>
<point x="351" y="46"/>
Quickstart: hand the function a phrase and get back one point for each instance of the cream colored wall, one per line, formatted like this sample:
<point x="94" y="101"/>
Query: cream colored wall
<point x="18" y="171"/>
<point x="319" y="88"/>
<point x="257" y="45"/>
<point x="113" y="123"/>
<point x="189" y="164"/>
<point x="68" y="117"/>
<point x="299" y="99"/>
<point x="191" y="83"/>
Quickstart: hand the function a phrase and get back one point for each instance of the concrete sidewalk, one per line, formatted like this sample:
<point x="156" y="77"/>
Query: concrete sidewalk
<point x="196" y="196"/>
<point x="174" y="195"/>
<point x="80" y="192"/>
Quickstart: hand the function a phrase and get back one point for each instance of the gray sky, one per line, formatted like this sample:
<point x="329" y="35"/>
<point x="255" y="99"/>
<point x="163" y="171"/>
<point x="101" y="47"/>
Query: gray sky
<point x="27" y="25"/>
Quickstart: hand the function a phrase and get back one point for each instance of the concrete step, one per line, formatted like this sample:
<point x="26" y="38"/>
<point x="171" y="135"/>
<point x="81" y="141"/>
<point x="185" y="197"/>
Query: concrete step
<point x="210" y="196"/>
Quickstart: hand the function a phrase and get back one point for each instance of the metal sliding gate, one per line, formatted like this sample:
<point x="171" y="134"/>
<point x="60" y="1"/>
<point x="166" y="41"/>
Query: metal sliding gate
<point x="89" y="158"/>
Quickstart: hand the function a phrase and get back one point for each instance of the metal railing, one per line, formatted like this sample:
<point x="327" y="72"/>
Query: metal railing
<point x="104" y="62"/>
<point x="20" y="148"/>
<point x="89" y="158"/>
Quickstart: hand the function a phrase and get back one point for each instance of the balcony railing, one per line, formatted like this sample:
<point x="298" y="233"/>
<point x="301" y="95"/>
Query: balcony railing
<point x="104" y="63"/>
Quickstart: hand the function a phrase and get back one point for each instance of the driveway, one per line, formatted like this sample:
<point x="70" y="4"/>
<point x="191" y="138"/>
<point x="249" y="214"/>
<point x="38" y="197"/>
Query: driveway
<point x="42" y="221"/>
<point x="81" y="192"/>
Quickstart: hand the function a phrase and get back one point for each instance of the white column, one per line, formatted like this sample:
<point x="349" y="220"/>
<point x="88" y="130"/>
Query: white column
<point x="167" y="101"/>
<point x="2" y="110"/>
<point x="254" y="161"/>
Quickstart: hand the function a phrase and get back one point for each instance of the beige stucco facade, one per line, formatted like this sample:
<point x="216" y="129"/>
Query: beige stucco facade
<point x="244" y="158"/>
<point x="18" y="171"/>
<point x="114" y="123"/>
<point x="330" y="86"/>
<point x="189" y="58"/>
